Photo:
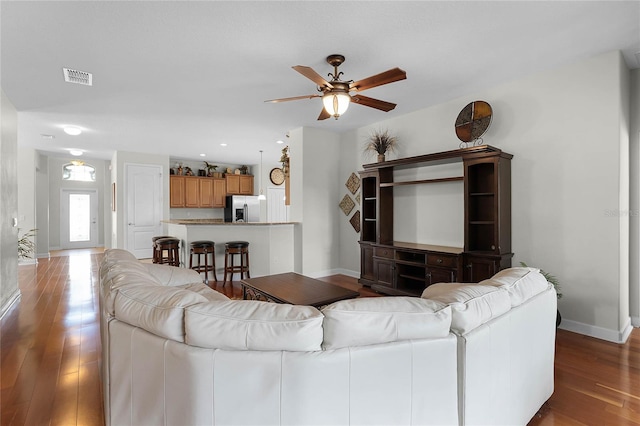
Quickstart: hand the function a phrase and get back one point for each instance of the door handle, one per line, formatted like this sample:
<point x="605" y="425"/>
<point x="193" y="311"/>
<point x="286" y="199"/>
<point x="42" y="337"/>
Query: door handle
<point x="130" y="224"/>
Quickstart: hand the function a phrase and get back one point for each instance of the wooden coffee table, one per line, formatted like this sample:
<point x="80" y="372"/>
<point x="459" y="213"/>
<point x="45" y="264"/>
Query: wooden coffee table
<point x="295" y="289"/>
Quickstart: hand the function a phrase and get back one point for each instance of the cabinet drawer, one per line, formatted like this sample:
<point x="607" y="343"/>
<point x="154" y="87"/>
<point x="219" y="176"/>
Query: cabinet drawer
<point x="438" y="259"/>
<point x="383" y="252"/>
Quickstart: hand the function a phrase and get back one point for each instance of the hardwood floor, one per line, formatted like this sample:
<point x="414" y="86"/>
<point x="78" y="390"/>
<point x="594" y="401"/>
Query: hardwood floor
<point x="50" y="355"/>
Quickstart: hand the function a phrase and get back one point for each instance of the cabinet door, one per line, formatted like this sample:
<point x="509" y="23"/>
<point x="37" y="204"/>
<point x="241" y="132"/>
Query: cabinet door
<point x="246" y="185"/>
<point x="233" y="184"/>
<point x="176" y="191"/>
<point x="219" y="192"/>
<point x="440" y="275"/>
<point x="477" y="269"/>
<point x="384" y="271"/>
<point x="191" y="192"/>
<point x="206" y="192"/>
<point x="366" y="262"/>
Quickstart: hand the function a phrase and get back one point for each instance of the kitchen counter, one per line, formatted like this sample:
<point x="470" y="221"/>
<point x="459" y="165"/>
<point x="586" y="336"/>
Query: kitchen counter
<point x="271" y="245"/>
<point x="222" y="222"/>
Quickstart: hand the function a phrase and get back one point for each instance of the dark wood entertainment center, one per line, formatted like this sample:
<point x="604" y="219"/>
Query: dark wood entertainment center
<point x="403" y="268"/>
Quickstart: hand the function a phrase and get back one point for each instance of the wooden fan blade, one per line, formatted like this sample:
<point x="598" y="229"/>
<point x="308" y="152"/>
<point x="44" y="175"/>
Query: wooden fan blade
<point x="313" y="76"/>
<point x="324" y="114"/>
<point x="295" y="98"/>
<point x="386" y="77"/>
<point x="373" y="103"/>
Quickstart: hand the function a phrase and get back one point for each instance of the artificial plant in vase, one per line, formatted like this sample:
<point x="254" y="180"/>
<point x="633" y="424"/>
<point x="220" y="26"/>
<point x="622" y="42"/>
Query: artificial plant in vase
<point x="380" y="142"/>
<point x="26" y="246"/>
<point x="210" y="168"/>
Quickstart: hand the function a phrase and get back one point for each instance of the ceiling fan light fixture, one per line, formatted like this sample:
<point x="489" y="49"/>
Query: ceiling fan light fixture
<point x="336" y="103"/>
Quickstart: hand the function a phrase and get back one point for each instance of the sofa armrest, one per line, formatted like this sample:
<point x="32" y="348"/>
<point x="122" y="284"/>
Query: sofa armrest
<point x="173" y="276"/>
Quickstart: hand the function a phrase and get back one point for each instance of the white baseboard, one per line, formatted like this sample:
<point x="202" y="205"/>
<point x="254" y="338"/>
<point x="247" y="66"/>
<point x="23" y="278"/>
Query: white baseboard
<point x="615" y="336"/>
<point x="9" y="303"/>
<point x="46" y="255"/>
<point x="27" y="261"/>
<point x="329" y="272"/>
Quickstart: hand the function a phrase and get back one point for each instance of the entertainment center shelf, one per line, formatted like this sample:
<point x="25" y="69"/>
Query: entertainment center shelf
<point x="404" y="268"/>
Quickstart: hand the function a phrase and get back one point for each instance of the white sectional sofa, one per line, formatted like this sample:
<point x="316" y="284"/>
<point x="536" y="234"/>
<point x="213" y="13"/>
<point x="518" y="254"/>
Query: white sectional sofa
<point x="176" y="352"/>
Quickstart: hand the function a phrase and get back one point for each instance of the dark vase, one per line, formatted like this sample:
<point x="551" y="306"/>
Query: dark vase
<point x="558" y="319"/>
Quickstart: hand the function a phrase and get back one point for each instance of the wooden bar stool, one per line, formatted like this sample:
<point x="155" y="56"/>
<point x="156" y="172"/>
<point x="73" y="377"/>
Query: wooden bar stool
<point x="156" y="255"/>
<point x="206" y="248"/>
<point x="168" y="251"/>
<point x="231" y="249"/>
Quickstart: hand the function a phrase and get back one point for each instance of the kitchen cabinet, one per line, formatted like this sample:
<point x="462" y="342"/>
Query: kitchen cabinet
<point x="196" y="192"/>
<point x="239" y="184"/>
<point x="176" y="191"/>
<point x="219" y="192"/>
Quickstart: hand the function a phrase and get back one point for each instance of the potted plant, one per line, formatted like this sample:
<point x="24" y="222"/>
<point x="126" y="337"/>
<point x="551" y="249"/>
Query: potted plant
<point x="553" y="280"/>
<point x="26" y="246"/>
<point x="380" y="142"/>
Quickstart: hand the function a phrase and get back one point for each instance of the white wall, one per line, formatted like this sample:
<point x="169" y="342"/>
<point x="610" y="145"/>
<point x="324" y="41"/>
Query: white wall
<point x="42" y="205"/>
<point x="634" y="201"/>
<point x="9" y="205"/>
<point x="564" y="129"/>
<point x="315" y="197"/>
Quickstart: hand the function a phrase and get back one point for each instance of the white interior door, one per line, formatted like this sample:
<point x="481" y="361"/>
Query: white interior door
<point x="144" y="207"/>
<point x="276" y="210"/>
<point x="78" y="218"/>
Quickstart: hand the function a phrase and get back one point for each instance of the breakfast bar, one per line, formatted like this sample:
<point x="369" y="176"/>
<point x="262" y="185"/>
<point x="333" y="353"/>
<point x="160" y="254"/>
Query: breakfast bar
<point x="271" y="245"/>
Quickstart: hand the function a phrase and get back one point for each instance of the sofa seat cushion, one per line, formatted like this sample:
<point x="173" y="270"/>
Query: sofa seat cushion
<point x="472" y="304"/>
<point x="369" y="321"/>
<point x="253" y="325"/>
<point x="206" y="291"/>
<point x="522" y="283"/>
<point x="155" y="308"/>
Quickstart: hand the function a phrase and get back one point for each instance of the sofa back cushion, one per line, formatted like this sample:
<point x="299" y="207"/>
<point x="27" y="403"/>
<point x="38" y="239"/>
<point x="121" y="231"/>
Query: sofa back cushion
<point x="204" y="290"/>
<point x="522" y="283"/>
<point x="472" y="304"/>
<point x="155" y="308"/>
<point x="253" y="325"/>
<point x="374" y="320"/>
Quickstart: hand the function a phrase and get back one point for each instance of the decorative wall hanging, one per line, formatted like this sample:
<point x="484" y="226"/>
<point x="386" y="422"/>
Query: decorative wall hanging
<point x="472" y="122"/>
<point x="353" y="183"/>
<point x="355" y="221"/>
<point x="347" y="204"/>
<point x="358" y="198"/>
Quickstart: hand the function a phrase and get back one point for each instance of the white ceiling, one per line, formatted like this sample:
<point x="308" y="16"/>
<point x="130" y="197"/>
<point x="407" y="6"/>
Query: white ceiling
<point x="181" y="77"/>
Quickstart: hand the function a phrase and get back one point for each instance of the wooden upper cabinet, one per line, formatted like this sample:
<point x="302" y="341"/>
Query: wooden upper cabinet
<point x="219" y="192"/>
<point x="239" y="184"/>
<point x="176" y="191"/>
<point x="196" y="192"/>
<point x="246" y="185"/>
<point x="206" y="192"/>
<point x="233" y="184"/>
<point x="191" y="191"/>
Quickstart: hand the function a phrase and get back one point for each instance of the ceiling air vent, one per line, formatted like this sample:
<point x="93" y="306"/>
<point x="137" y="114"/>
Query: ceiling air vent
<point x="77" y="77"/>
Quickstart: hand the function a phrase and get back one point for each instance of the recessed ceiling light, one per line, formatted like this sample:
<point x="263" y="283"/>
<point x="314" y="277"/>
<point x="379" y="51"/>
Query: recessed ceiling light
<point x="71" y="130"/>
<point x="279" y="141"/>
<point x="45" y="136"/>
<point x="203" y="155"/>
<point x="223" y="144"/>
<point x="75" y="152"/>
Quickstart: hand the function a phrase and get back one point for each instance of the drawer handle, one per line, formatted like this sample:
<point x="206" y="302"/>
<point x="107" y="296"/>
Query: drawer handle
<point x="439" y="260"/>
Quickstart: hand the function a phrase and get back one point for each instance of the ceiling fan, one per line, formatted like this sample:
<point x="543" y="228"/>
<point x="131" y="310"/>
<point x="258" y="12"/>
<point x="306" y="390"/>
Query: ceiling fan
<point x="336" y="95"/>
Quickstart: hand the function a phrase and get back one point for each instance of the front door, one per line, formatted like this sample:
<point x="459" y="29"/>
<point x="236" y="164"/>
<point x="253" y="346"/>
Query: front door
<point x="144" y="207"/>
<point x="78" y="218"/>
